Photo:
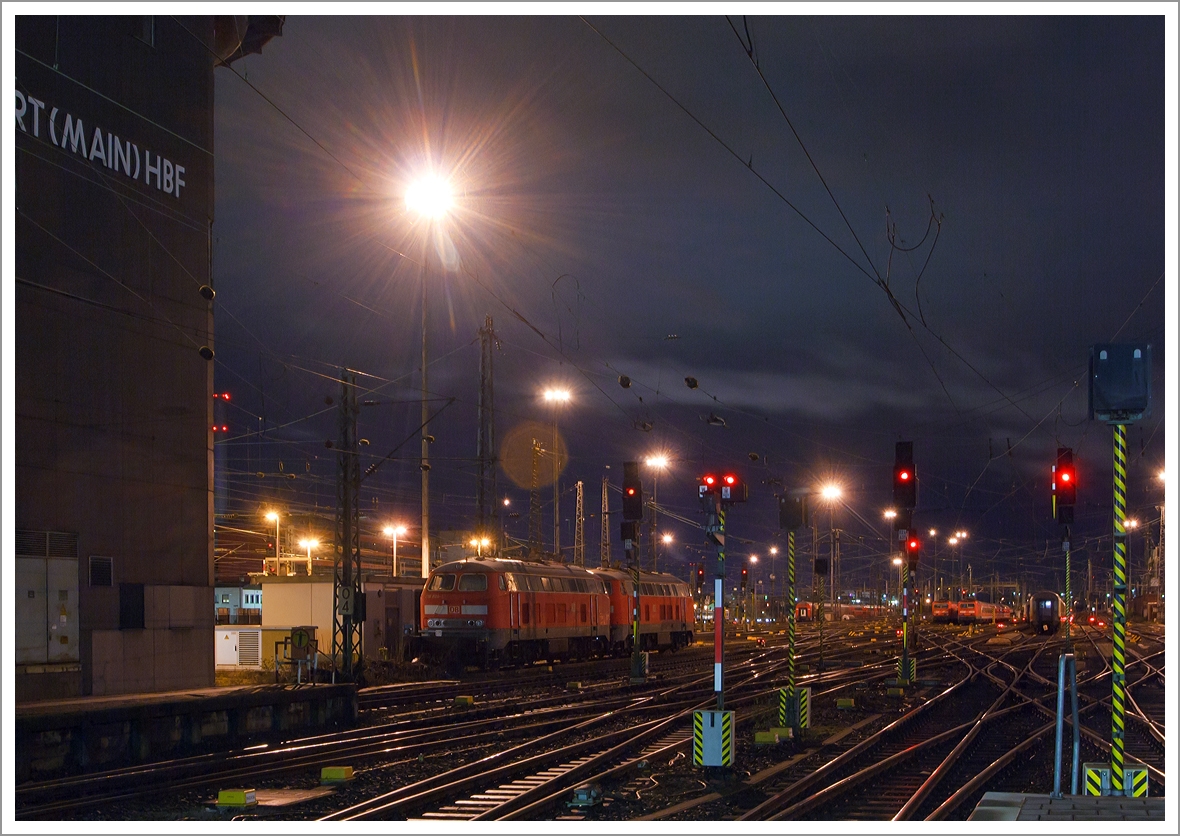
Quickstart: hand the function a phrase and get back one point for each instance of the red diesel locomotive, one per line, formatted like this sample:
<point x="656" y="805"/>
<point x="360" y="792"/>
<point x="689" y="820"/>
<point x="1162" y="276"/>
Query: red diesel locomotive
<point x="493" y="611"/>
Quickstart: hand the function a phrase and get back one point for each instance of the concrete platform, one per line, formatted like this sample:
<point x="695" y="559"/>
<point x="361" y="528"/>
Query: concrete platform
<point x="81" y="734"/>
<point x="1016" y="806"/>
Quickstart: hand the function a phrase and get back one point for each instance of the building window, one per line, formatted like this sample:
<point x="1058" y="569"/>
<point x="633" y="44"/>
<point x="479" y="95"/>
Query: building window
<point x="130" y="606"/>
<point x="101" y="570"/>
<point x="225" y="598"/>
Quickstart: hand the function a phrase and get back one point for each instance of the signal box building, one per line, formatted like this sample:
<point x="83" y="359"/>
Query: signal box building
<point x="114" y="334"/>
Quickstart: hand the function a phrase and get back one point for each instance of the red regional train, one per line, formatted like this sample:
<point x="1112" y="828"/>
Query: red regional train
<point x="945" y="612"/>
<point x="493" y="611"/>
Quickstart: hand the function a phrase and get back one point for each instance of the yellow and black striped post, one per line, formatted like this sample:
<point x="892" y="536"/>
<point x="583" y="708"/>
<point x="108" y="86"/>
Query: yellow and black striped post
<point x="1119" y="611"/>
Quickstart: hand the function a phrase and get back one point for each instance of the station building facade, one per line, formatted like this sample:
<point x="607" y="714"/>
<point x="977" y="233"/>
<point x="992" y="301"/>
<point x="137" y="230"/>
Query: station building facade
<point x="114" y="347"/>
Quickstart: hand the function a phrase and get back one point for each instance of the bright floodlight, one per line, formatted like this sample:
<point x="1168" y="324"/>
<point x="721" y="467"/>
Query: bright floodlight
<point x="753" y="558"/>
<point x="831" y="492"/>
<point x="391" y="530"/>
<point x="933" y="531"/>
<point x="897" y="561"/>
<point x="557" y="395"/>
<point x="890" y="514"/>
<point x="667" y="538"/>
<point x="774" y="549"/>
<point x="1160" y="476"/>
<point x="657" y="461"/>
<point x="429" y="197"/>
<point x="272" y="515"/>
<point x="308" y="544"/>
<point x="954" y="541"/>
<point x="1131" y="524"/>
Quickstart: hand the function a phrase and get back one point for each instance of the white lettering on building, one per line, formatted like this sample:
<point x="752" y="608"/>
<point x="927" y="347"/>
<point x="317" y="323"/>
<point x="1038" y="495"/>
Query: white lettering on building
<point x="105" y="147"/>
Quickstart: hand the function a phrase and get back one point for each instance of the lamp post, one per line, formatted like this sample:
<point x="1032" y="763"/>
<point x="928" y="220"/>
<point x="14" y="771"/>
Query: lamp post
<point x="753" y="591"/>
<point x="393" y="531"/>
<point x="934" y="558"/>
<point x="430" y="198"/>
<point x="273" y="516"/>
<point x="960" y="539"/>
<point x="831" y="494"/>
<point x="309" y="544"/>
<point x="480" y="544"/>
<point x="774" y="609"/>
<point x="658" y="463"/>
<point x="897" y="561"/>
<point x="556" y="397"/>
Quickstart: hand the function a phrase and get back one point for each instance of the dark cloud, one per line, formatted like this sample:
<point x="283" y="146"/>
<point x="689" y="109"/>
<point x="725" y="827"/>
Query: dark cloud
<point x="594" y="210"/>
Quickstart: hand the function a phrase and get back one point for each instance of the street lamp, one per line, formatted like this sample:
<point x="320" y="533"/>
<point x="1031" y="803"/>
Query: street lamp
<point x="934" y="557"/>
<point x="658" y="463"/>
<point x="753" y="590"/>
<point x="430" y="198"/>
<point x="393" y="531"/>
<point x="558" y="398"/>
<point x="309" y="544"/>
<point x="273" y="516"/>
<point x="832" y="493"/>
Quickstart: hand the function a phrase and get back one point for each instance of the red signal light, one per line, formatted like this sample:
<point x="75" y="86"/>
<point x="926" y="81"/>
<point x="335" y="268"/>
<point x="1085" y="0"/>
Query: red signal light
<point x="224" y="428"/>
<point x="709" y="480"/>
<point x="904" y="475"/>
<point x="1065" y="477"/>
<point x="730" y="479"/>
<point x="630" y="491"/>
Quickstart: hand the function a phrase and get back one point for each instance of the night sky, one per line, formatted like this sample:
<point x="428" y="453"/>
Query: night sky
<point x="997" y="206"/>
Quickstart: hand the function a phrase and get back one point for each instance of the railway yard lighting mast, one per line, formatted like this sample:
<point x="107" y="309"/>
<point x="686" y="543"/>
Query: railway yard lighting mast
<point x="309" y="544"/>
<point x="273" y="516"/>
<point x="658" y="463"/>
<point x="831" y="494"/>
<point x="557" y="398"/>
<point x="430" y="198"/>
<point x="393" y="531"/>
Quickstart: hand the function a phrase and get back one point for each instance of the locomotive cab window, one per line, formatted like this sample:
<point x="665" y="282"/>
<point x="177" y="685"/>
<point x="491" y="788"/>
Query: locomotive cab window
<point x="503" y="583"/>
<point x="442" y="583"/>
<point x="473" y="582"/>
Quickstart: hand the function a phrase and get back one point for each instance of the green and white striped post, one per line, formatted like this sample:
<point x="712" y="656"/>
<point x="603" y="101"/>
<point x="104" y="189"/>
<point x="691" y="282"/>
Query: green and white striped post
<point x="1119" y="610"/>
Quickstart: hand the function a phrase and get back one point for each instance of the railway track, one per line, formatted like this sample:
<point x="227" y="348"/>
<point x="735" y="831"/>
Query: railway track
<point x="532" y="752"/>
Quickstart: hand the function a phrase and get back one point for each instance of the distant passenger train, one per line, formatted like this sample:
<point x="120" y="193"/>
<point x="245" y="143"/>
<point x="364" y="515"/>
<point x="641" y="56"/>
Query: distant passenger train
<point x="981" y="612"/>
<point x="1045" y="611"/>
<point x="492" y="611"/>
